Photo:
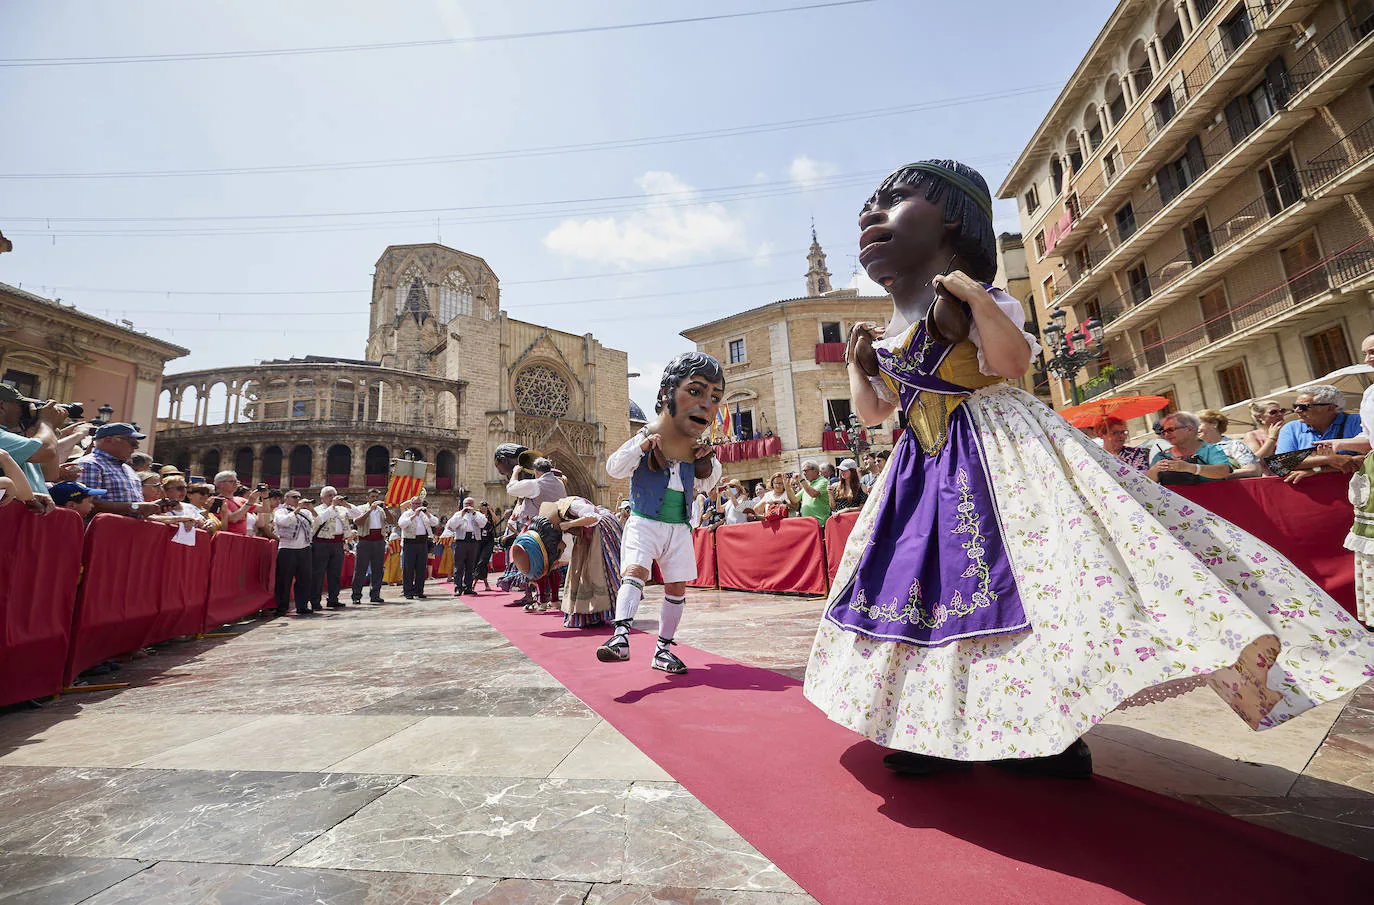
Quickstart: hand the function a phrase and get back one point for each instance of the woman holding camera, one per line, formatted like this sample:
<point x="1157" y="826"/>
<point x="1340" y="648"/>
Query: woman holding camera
<point x="779" y="500"/>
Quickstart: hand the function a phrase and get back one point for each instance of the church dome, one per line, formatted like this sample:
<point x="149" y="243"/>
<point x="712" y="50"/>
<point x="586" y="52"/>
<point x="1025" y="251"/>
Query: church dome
<point x="637" y="414"/>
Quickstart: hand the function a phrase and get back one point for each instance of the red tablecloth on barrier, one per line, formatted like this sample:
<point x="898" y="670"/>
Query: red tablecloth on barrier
<point x="837" y="530"/>
<point x="704" y="543"/>
<point x="749" y="449"/>
<point x="186" y="576"/>
<point x="785" y="556"/>
<point x="124" y="564"/>
<point x="346" y="574"/>
<point x="498" y="562"/>
<point x="1306" y="522"/>
<point x="241" y="574"/>
<point x="37" y="596"/>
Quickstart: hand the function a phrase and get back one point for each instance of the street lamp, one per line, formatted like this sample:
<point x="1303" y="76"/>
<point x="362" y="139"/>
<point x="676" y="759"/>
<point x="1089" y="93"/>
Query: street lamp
<point x="1069" y="354"/>
<point x="105" y="411"/>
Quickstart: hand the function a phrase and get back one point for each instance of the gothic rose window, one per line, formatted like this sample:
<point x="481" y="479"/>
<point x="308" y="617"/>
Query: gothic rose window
<point x="540" y="390"/>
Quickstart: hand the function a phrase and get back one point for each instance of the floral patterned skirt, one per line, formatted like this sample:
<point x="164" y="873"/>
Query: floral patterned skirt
<point x="1126" y="585"/>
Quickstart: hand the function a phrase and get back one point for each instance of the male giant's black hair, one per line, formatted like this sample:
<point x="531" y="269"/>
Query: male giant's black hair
<point x="974" y="240"/>
<point x="688" y="364"/>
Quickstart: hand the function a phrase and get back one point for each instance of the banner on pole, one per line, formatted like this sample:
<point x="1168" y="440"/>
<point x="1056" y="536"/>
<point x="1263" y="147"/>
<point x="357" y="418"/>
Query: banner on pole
<point x="407" y="480"/>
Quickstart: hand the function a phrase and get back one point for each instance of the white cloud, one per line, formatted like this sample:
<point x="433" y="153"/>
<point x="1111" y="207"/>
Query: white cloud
<point x="806" y="172"/>
<point x="673" y="227"/>
<point x="763" y="255"/>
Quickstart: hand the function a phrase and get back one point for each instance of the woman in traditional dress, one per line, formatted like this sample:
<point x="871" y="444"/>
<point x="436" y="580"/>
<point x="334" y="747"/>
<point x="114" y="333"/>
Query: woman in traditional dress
<point x="1360" y="540"/>
<point x="1009" y="583"/>
<point x="594" y="565"/>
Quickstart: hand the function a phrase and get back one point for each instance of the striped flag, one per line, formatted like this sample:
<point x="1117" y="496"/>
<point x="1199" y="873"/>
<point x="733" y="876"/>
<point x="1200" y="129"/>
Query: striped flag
<point x="407" y="480"/>
<point x="720" y="430"/>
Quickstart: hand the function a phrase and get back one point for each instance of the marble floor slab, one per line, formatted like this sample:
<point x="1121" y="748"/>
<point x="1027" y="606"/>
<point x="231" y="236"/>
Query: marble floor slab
<point x="462" y="698"/>
<point x="606" y="754"/>
<point x="297" y="742"/>
<point x="541" y="829"/>
<point x="172" y="883"/>
<point x="102" y="739"/>
<point x="48" y="880"/>
<point x="249" y="818"/>
<point x="631" y="894"/>
<point x="473" y="746"/>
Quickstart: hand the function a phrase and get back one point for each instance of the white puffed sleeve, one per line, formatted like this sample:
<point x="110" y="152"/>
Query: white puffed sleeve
<point x="1013" y="310"/>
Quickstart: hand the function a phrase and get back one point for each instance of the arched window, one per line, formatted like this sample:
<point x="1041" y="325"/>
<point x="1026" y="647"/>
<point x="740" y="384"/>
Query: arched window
<point x="209" y="461"/>
<point x="376" y="466"/>
<point x="443" y="470"/>
<point x="455" y="296"/>
<point x="302" y="458"/>
<point x="540" y="390"/>
<point x="271" y="466"/>
<point x="410" y="290"/>
<point x="338" y="463"/>
<point x="243" y="464"/>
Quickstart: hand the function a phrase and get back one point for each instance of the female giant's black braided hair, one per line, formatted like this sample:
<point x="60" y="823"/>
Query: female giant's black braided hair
<point x="974" y="240"/>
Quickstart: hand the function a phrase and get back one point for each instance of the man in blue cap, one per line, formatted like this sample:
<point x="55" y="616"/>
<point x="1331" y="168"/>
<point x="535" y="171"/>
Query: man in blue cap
<point x="107" y="468"/>
<point x="77" y="496"/>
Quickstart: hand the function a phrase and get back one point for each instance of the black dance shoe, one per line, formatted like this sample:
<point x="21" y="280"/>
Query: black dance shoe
<point x="909" y="763"/>
<point x="1074" y="762"/>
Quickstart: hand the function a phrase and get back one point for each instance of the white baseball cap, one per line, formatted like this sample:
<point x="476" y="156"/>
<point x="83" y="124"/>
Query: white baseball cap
<point x="849" y="464"/>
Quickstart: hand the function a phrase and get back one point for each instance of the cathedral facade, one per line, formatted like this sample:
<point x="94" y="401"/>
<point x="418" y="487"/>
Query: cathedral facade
<point x="446" y="375"/>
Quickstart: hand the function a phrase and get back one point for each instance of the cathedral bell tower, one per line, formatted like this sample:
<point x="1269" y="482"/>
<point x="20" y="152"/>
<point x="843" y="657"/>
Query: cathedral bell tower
<point x="817" y="277"/>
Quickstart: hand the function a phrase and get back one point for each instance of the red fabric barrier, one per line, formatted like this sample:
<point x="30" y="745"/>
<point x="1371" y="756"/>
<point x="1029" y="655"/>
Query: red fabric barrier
<point x="498" y="562"/>
<point x="346" y="574"/>
<point x="185" y="580"/>
<point x="838" y="441"/>
<point x="785" y="556"/>
<point x="837" y="530"/>
<point x="241" y="573"/>
<point x="704" y="543"/>
<point x="1306" y="522"/>
<point x="37" y="599"/>
<point x="749" y="449"/>
<point x="124" y="564"/>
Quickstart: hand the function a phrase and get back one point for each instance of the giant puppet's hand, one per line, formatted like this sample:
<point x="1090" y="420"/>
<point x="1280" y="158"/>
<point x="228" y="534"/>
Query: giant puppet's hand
<point x="704" y="453"/>
<point x="862" y="336"/>
<point x="653" y="453"/>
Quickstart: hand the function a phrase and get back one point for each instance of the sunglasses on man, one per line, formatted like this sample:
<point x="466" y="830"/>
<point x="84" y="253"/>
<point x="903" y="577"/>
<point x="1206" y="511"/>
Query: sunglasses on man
<point x="1304" y="406"/>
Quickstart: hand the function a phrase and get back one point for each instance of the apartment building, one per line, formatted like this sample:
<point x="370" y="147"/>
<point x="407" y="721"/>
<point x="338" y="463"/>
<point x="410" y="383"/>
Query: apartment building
<point x="785" y="377"/>
<point x="1204" y="187"/>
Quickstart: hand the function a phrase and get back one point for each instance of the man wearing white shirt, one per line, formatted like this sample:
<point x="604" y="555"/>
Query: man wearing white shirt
<point x="465" y="527"/>
<point x="372" y="522"/>
<point x="293" y="521"/>
<point x="327" y="547"/>
<point x="417" y="530"/>
<point x="531" y="493"/>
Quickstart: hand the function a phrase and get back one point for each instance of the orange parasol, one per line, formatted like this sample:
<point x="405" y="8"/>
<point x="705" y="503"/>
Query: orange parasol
<point x="1091" y="413"/>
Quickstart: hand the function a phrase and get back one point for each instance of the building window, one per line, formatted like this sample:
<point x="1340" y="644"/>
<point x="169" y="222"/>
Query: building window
<point x="1092" y="309"/>
<point x="1170" y="406"/>
<point x="837" y="413"/>
<point x="1076" y="160"/>
<point x="1235" y="384"/>
<point x="1139" y="282"/>
<point x="298" y="408"/>
<point x="1032" y="200"/>
<point x="1151" y="342"/>
<point x="1164" y="108"/>
<point x="1125" y="222"/>
<point x="1236" y="29"/>
<point x="1117" y="108"/>
<point x="736" y="351"/>
<point x="1216" y="314"/>
<point x="1057" y="170"/>
<point x="1095" y="136"/>
<point x="1197" y="239"/>
<point x="1302" y="266"/>
<point x="1172" y="41"/>
<point x="831" y="333"/>
<point x="1111" y="163"/>
<point x="410" y="292"/>
<point x="1329" y="351"/>
<point x="1041" y="249"/>
<point x="22" y="381"/>
<point x="1050" y="293"/>
<point x="455" y="296"/>
<point x="742" y="423"/>
<point x="540" y="390"/>
<point x="1279" y="182"/>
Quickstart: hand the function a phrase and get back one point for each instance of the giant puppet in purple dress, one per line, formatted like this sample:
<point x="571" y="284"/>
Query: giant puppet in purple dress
<point x="1009" y="583"/>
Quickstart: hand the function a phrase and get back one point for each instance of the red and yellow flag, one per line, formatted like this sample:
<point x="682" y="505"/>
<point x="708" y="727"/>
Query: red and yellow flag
<point x="407" y="480"/>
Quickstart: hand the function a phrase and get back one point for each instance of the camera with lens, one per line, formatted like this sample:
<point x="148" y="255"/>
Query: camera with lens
<point x="29" y="411"/>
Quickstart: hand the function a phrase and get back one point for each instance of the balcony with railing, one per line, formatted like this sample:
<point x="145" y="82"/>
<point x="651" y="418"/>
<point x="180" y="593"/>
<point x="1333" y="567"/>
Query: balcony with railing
<point x="1190" y="98"/>
<point x="1300" y="292"/>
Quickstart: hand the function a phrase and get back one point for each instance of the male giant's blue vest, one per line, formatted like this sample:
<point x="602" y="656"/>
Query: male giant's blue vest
<point x="647" y="488"/>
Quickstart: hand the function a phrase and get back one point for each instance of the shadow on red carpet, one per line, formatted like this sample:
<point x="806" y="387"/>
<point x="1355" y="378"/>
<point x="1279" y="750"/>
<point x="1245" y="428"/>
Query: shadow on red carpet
<point x="815" y="799"/>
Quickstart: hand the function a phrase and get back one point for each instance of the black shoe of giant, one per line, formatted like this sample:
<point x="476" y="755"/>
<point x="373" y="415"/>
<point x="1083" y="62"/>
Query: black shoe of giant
<point x="909" y="763"/>
<point x="1074" y="762"/>
<point x="615" y="650"/>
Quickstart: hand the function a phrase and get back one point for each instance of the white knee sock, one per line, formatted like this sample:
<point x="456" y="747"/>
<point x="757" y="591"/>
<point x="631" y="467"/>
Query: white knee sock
<point x="627" y="601"/>
<point x="670" y="617"/>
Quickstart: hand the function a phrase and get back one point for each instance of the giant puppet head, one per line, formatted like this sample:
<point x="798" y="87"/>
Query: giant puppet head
<point x="691" y="389"/>
<point x="507" y="457"/>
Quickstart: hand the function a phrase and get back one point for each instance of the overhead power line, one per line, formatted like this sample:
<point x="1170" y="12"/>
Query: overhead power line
<point x="403" y="45"/>
<point x="552" y="150"/>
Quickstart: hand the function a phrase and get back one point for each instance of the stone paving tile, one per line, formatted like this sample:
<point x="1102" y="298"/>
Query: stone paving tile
<point x="675" y="840"/>
<point x="299" y="742"/>
<point x="606" y="754"/>
<point x="181" y="815"/>
<point x="1346" y="824"/>
<point x="461" y="698"/>
<point x="46" y="880"/>
<point x="66" y="739"/>
<point x="547" y="829"/>
<point x="173" y="883"/>
<point x="473" y="746"/>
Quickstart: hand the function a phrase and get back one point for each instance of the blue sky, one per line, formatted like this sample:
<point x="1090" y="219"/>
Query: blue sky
<point x="729" y="215"/>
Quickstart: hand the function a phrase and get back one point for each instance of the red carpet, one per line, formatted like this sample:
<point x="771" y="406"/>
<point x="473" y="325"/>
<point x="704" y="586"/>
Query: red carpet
<point x="815" y="799"/>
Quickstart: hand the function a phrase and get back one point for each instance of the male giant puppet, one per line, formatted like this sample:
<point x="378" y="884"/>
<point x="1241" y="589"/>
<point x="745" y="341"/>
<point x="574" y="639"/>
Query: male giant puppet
<point x="667" y="463"/>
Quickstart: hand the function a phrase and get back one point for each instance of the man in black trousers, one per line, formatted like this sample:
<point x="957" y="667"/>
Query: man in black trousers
<point x="466" y="530"/>
<point x="293" y="521"/>
<point x="417" y="530"/>
<point x="372" y="522"/>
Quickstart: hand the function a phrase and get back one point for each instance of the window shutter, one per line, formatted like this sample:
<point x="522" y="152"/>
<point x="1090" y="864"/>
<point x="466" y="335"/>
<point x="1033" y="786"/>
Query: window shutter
<point x="1167" y="188"/>
<point x="1197" y="161"/>
<point x="1276" y="77"/>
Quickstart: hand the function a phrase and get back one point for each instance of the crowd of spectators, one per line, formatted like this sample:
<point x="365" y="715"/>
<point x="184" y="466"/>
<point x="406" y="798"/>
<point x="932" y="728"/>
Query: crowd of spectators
<point x="818" y="491"/>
